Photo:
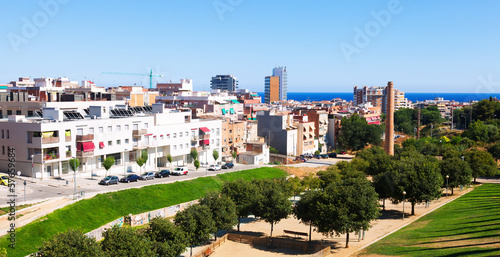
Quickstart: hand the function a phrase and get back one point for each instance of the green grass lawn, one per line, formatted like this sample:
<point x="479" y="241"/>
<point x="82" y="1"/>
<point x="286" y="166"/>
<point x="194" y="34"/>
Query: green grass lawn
<point x="468" y="226"/>
<point x="92" y="213"/>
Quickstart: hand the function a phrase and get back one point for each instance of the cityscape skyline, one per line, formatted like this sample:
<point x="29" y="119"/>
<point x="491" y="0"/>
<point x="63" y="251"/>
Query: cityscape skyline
<point x="335" y="45"/>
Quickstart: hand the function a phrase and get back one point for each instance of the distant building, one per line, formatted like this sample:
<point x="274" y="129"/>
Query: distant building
<point x="276" y="86"/>
<point x="171" y="88"/>
<point x="377" y="96"/>
<point x="278" y="131"/>
<point x="224" y="83"/>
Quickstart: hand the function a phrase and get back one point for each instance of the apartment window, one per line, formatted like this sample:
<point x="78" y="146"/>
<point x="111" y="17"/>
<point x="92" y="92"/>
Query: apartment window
<point x="126" y="141"/>
<point x="136" y="126"/>
<point x="126" y="127"/>
<point x="161" y="137"/>
<point x="218" y="142"/>
<point x="187" y="133"/>
<point x="145" y="125"/>
<point x="118" y="142"/>
<point x="91" y="131"/>
<point x="2" y="133"/>
<point x="175" y="147"/>
<point x="110" y="129"/>
<point x="8" y="134"/>
<point x="175" y="135"/>
<point x="212" y="141"/>
<point x="168" y="136"/>
<point x="110" y="143"/>
<point x="218" y="131"/>
<point x="1" y="114"/>
<point x="192" y="133"/>
<point x="180" y="146"/>
<point x="118" y="128"/>
<point x="18" y="112"/>
<point x="3" y="150"/>
<point x="101" y="130"/>
<point x="224" y="140"/>
<point x="9" y="112"/>
<point x="30" y="113"/>
<point x="180" y="134"/>
<point x="79" y="132"/>
<point x="187" y="145"/>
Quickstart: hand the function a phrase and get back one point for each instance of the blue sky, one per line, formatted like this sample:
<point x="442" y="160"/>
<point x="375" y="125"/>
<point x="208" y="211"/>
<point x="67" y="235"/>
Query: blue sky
<point x="425" y="46"/>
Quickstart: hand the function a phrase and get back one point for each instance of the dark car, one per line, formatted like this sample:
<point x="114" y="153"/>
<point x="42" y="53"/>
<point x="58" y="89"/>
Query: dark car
<point x="162" y="174"/>
<point x="300" y="159"/>
<point x="317" y="156"/>
<point x="324" y="156"/>
<point x="130" y="178"/>
<point x="333" y="155"/>
<point x="147" y="176"/>
<point x="109" y="180"/>
<point x="228" y="165"/>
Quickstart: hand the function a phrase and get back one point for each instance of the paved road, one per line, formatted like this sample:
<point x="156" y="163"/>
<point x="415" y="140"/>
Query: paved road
<point x="40" y="190"/>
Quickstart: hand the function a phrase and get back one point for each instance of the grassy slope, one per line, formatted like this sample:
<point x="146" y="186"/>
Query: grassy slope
<point x="468" y="226"/>
<point x="92" y="213"/>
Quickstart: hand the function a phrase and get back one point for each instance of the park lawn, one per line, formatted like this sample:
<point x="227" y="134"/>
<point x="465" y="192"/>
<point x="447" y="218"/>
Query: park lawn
<point x="97" y="211"/>
<point x="468" y="226"/>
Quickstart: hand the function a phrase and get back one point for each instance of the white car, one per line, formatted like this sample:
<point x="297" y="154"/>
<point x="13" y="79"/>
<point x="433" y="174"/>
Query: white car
<point x="214" y="167"/>
<point x="180" y="171"/>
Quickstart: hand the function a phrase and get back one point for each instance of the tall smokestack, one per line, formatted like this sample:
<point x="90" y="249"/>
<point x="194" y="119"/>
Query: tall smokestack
<point x="389" y="120"/>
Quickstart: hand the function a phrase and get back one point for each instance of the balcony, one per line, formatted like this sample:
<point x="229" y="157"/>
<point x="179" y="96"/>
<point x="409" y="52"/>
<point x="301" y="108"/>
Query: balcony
<point x="204" y="136"/>
<point x="49" y="157"/>
<point x="139" y="132"/>
<point x="50" y="140"/>
<point x="81" y="154"/>
<point x="140" y="145"/>
<point x="195" y="138"/>
<point x="89" y="137"/>
<point x="67" y="138"/>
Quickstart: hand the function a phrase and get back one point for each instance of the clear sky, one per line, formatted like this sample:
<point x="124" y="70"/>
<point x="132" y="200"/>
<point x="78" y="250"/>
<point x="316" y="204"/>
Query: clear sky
<point x="327" y="46"/>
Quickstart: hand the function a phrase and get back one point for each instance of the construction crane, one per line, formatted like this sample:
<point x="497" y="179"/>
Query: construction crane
<point x="150" y="75"/>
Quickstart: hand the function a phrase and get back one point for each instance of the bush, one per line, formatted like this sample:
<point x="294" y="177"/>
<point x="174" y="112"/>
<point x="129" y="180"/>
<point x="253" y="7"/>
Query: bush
<point x="277" y="162"/>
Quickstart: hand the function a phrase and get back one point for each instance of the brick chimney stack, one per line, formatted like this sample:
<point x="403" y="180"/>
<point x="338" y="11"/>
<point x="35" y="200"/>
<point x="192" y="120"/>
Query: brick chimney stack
<point x="389" y="120"/>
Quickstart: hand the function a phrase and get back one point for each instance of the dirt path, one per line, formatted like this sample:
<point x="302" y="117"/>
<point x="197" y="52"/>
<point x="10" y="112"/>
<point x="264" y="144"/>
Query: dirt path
<point x="390" y="221"/>
<point x="32" y="213"/>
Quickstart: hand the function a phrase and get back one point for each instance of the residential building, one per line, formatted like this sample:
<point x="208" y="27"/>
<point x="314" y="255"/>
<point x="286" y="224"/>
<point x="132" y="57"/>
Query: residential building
<point x="281" y="72"/>
<point x="171" y="88"/>
<point x="377" y="96"/>
<point x="224" y="83"/>
<point x="272" y="89"/>
<point x="256" y="153"/>
<point x="278" y="131"/>
<point x="305" y="135"/>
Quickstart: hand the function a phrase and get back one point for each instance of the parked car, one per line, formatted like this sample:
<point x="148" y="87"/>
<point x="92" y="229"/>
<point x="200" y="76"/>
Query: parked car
<point x="307" y="155"/>
<point x="162" y="174"/>
<point x="147" y="176"/>
<point x="228" y="165"/>
<point x="333" y="155"/>
<point x="109" y="180"/>
<point x="214" y="167"/>
<point x="300" y="159"/>
<point x="130" y="178"/>
<point x="317" y="156"/>
<point x="324" y="156"/>
<point x="180" y="171"/>
<point x="4" y="180"/>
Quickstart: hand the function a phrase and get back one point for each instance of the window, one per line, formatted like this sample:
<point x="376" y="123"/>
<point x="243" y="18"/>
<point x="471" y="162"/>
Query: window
<point x="30" y="114"/>
<point x="175" y="147"/>
<point x="8" y="136"/>
<point x="101" y="130"/>
<point x="168" y="136"/>
<point x="118" y="128"/>
<point x="212" y="141"/>
<point x="110" y="143"/>
<point x="18" y="112"/>
<point x="91" y="131"/>
<point x="187" y="145"/>
<point x="126" y="141"/>
<point x="180" y="146"/>
<point x="9" y="112"/>
<point x="1" y="114"/>
<point x="145" y="125"/>
<point x="2" y="133"/>
<point x="218" y="131"/>
<point x="136" y="126"/>
<point x="218" y="142"/>
<point x="180" y="134"/>
<point x="192" y="133"/>
<point x="3" y="149"/>
<point x="175" y="135"/>
<point x="161" y="137"/>
<point x="187" y="133"/>
<point x="79" y="132"/>
<point x="126" y="127"/>
<point x="118" y="142"/>
<point x="110" y="129"/>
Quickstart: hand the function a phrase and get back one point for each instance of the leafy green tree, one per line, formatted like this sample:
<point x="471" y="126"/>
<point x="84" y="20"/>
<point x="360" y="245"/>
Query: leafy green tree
<point x="346" y="206"/>
<point x="272" y="150"/>
<point x="311" y="182"/>
<point x="215" y="154"/>
<point x="430" y="115"/>
<point x="194" y="154"/>
<point x="305" y="209"/>
<point x="405" y="120"/>
<point x="296" y="186"/>
<point x="70" y="243"/>
<point x="420" y="177"/>
<point x="329" y="176"/>
<point x="74" y="164"/>
<point x="272" y="204"/>
<point x="481" y="163"/>
<point x="494" y="150"/>
<point x="459" y="172"/>
<point x="385" y="185"/>
<point x="197" y="222"/>
<point x="168" y="240"/>
<point x="169" y="159"/>
<point x="125" y="241"/>
<point x="486" y="109"/>
<point x="142" y="159"/>
<point x="378" y="160"/>
<point x="317" y="152"/>
<point x="478" y="131"/>
<point x="356" y="134"/>
<point x="108" y="162"/>
<point x="242" y="193"/>
<point x="223" y="210"/>
<point x="196" y="164"/>
<point x="235" y="155"/>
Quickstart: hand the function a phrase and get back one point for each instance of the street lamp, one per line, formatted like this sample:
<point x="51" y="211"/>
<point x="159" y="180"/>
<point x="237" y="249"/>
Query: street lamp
<point x="447" y="176"/>
<point x="404" y="194"/>
<point x="432" y="127"/>
<point x="414" y="131"/>
<point x="32" y="172"/>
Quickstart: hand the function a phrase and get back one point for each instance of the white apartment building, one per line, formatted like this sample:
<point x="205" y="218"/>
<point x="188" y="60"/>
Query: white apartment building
<point x="107" y="131"/>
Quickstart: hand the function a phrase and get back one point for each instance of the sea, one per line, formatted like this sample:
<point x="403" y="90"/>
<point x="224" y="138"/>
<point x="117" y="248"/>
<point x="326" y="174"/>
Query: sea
<point x="414" y="97"/>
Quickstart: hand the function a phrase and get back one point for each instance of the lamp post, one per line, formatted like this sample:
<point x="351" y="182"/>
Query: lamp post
<point x="24" y="183"/>
<point x="414" y="131"/>
<point x="447" y="176"/>
<point x="32" y="168"/>
<point x="404" y="194"/>
<point x="432" y="127"/>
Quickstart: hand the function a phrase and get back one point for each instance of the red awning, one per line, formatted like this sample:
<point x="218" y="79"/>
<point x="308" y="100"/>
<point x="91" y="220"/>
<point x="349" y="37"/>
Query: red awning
<point x="194" y="129"/>
<point x="148" y="135"/>
<point x="205" y="129"/>
<point x="88" y="146"/>
<point x="206" y="141"/>
<point x="101" y="145"/>
<point x="375" y="122"/>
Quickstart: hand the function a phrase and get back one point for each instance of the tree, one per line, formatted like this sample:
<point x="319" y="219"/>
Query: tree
<point x="305" y="209"/>
<point x="74" y="164"/>
<point x="404" y="120"/>
<point x="481" y="163"/>
<point x="223" y="210"/>
<point x="272" y="204"/>
<point x="196" y="164"/>
<point x="296" y="186"/>
<point x="126" y="241"/>
<point x="110" y="160"/>
<point x="378" y="160"/>
<point x="215" y="154"/>
<point x="234" y="155"/>
<point x="194" y="154"/>
<point x="478" y="131"/>
<point x="169" y="159"/>
<point x="356" y="134"/>
<point x="346" y="206"/>
<point x="143" y="159"/>
<point x="197" y="222"/>
<point x="168" y="240"/>
<point x="242" y="193"/>
<point x="420" y="177"/>
<point x="486" y="109"/>
<point x="431" y="115"/>
<point x="273" y="150"/>
<point x="311" y="182"/>
<point x="329" y="176"/>
<point x="317" y="152"/>
<point x="494" y="150"/>
<point x="70" y="243"/>
<point x="385" y="185"/>
<point x="459" y="172"/>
